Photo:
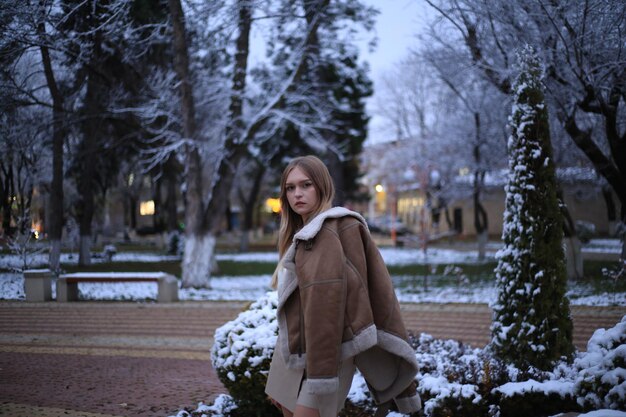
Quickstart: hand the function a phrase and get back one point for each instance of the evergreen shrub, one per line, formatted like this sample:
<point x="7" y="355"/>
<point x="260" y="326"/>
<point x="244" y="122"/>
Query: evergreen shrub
<point x="242" y="353"/>
<point x="454" y="380"/>
<point x="536" y="404"/>
<point x="532" y="325"/>
<point x="601" y="380"/>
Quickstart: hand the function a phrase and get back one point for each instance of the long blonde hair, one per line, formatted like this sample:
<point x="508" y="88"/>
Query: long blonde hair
<point x="290" y="221"/>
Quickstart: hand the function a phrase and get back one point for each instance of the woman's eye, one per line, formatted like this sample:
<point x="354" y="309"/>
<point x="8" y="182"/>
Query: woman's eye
<point x="307" y="185"/>
<point x="289" y="188"/>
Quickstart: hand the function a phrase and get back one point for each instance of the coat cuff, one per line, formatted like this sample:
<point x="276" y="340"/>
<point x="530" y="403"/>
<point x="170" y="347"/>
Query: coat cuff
<point x="322" y="386"/>
<point x="408" y="405"/>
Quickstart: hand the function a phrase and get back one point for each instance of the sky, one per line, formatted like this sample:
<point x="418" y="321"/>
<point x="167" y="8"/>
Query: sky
<point x="397" y="25"/>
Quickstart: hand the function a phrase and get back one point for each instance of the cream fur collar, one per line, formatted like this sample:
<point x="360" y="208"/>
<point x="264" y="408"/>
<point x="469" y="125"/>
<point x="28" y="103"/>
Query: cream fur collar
<point x="310" y="230"/>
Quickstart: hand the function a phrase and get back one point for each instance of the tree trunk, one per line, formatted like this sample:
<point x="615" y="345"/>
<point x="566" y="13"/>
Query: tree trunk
<point x="622" y="229"/>
<point x="197" y="260"/>
<point x="158" y="220"/>
<point x="481" y="221"/>
<point x="199" y="241"/>
<point x="481" y="226"/>
<point x="84" y="250"/>
<point x="132" y="213"/>
<point x="92" y="128"/>
<point x="6" y="193"/>
<point x="55" y="205"/>
<point x="248" y="208"/>
<point x="571" y="243"/>
<point x="611" y="213"/>
<point x="335" y="167"/>
<point x="171" y="218"/>
<point x="613" y="170"/>
<point x="573" y="257"/>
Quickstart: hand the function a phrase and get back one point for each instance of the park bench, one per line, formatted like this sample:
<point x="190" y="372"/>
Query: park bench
<point x="38" y="283"/>
<point x="67" y="284"/>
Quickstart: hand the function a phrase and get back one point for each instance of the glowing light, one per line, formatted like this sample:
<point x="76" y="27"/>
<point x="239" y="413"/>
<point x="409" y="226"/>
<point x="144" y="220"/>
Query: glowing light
<point x="379" y="188"/>
<point x="273" y="205"/>
<point x="146" y="208"/>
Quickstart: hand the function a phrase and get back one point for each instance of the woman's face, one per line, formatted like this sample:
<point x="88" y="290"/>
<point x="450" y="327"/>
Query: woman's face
<point x="301" y="193"/>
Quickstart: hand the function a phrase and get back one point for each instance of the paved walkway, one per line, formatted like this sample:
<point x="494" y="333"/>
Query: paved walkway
<point x="100" y="359"/>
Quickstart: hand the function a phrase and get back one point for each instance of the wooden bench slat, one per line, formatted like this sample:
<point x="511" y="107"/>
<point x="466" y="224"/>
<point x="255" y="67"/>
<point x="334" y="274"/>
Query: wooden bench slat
<point x="76" y="280"/>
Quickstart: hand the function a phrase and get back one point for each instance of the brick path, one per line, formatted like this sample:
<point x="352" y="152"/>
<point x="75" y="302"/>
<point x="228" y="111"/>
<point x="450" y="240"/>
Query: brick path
<point x="98" y="359"/>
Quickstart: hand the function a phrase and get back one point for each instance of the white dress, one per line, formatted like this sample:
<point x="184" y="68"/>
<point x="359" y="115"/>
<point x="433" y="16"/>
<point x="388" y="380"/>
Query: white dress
<point x="288" y="387"/>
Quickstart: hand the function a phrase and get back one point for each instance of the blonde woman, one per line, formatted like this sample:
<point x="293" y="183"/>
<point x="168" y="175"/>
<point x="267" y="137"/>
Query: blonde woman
<point x="337" y="309"/>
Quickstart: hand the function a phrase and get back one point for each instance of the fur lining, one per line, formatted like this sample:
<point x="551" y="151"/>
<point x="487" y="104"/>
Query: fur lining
<point x="360" y="343"/>
<point x="287" y="284"/>
<point x="310" y="230"/>
<point x="398" y="346"/>
<point x="409" y="405"/>
<point x="407" y="366"/>
<point x="319" y="386"/>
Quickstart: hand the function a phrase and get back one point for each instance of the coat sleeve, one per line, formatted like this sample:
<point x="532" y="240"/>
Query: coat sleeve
<point x="320" y="269"/>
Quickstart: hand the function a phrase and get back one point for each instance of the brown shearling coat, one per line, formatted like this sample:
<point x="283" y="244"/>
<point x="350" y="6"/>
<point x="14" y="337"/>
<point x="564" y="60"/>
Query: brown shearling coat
<point x="336" y="301"/>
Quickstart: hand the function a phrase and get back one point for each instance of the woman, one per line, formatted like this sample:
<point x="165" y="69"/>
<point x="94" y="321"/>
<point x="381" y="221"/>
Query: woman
<point x="336" y="305"/>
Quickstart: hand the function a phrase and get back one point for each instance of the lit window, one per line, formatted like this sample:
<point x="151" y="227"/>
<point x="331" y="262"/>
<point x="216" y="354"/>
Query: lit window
<point x="146" y="208"/>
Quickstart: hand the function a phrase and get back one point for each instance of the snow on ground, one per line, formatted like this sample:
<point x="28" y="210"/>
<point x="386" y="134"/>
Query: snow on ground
<point x="252" y="287"/>
<point x="409" y="288"/>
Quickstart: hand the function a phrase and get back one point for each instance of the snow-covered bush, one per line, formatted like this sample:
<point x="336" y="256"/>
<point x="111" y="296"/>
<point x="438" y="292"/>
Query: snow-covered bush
<point x="601" y="380"/>
<point x="223" y="406"/>
<point x="534" y="398"/>
<point x="242" y="353"/>
<point x="454" y="380"/>
<point x="360" y="401"/>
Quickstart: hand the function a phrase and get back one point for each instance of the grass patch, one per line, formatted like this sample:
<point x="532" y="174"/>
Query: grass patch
<point x="174" y="267"/>
<point x="245" y="268"/>
<point x="468" y="269"/>
<point x="170" y="267"/>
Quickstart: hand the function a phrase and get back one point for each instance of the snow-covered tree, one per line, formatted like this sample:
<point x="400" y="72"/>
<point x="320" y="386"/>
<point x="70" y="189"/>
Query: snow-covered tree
<point x="76" y="63"/>
<point x="254" y="119"/>
<point x="440" y="101"/>
<point x="532" y="325"/>
<point x="32" y="78"/>
<point x="582" y="45"/>
<point x="477" y="125"/>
